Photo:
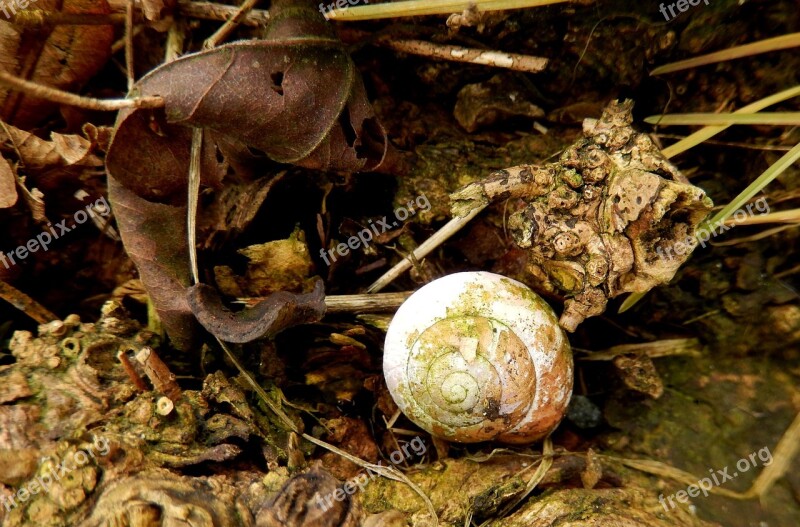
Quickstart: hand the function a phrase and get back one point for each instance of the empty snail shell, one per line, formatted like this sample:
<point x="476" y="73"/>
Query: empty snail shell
<point x="477" y="356"/>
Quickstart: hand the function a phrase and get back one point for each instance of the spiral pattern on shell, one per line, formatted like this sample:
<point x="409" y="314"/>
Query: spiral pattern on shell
<point x="477" y="356"/>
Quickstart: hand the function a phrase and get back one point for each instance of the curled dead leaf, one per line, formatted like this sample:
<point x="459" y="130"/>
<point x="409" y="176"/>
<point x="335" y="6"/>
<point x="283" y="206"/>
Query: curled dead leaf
<point x="8" y="185"/>
<point x="62" y="150"/>
<point x="296" y="96"/>
<point x="277" y="312"/>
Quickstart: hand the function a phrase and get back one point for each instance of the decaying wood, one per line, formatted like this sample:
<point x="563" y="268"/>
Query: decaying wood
<point x="595" y="223"/>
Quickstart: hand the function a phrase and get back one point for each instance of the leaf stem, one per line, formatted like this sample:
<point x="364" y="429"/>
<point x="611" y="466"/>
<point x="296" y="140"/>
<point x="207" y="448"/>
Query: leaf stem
<point x="34" y="89"/>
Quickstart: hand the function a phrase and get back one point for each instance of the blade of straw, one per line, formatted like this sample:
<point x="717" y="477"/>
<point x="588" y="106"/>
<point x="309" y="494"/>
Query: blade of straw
<point x="426" y="7"/>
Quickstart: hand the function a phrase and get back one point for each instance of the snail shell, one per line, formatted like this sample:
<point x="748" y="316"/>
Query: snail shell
<point x="478" y="356"/>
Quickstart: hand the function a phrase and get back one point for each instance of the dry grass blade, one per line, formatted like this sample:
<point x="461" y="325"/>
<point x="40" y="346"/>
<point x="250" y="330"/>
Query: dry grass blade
<point x="193" y="196"/>
<point x="708" y="119"/>
<point x="426" y="7"/>
<point x="438" y="238"/>
<point x="710" y="131"/>
<point x="782" y="456"/>
<point x="755" y="237"/>
<point x="784" y="216"/>
<point x="385" y="471"/>
<point x="664" y="470"/>
<point x="754" y="48"/>
<point x="755" y="187"/>
<point x="544" y="466"/>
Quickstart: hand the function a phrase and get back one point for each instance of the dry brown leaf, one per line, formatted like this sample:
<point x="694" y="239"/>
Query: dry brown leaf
<point x="8" y="185"/>
<point x="62" y="150"/>
<point x="296" y="96"/>
<point x="156" y="9"/>
<point x="33" y="199"/>
<point x="64" y="57"/>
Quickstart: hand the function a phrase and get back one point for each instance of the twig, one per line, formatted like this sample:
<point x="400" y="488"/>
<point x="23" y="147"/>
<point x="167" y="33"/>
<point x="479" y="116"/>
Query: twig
<point x="129" y="44"/>
<point x="438" y="238"/>
<point x="499" y="59"/>
<point x="365" y="303"/>
<point x="133" y="375"/>
<point x="26" y="304"/>
<point x="228" y="27"/>
<point x="55" y="95"/>
<point x="207" y="11"/>
<point x="334" y="304"/>
<point x="38" y="18"/>
<point x="658" y="348"/>
<point x="176" y="36"/>
<point x="212" y="11"/>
